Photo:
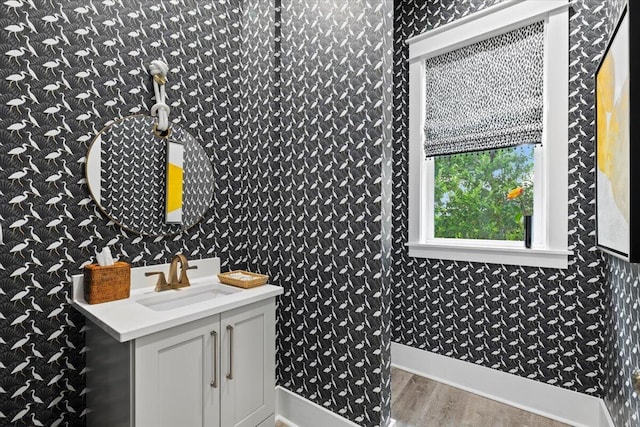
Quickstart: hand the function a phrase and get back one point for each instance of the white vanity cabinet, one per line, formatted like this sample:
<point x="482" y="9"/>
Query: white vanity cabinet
<point x="247" y="392"/>
<point x="174" y="376"/>
<point x="218" y="371"/>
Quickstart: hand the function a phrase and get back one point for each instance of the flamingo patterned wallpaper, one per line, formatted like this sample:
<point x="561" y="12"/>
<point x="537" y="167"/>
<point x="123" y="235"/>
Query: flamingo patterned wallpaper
<point x="543" y="324"/>
<point x="68" y="67"/>
<point x="246" y="79"/>
<point x="266" y="95"/>
<point x="622" y="352"/>
<point x="319" y="175"/>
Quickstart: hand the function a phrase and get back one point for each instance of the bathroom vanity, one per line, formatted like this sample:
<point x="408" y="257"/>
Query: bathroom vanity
<point x="198" y="356"/>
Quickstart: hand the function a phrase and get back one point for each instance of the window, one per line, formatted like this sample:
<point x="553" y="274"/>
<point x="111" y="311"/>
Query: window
<point x="469" y="194"/>
<point x="467" y="151"/>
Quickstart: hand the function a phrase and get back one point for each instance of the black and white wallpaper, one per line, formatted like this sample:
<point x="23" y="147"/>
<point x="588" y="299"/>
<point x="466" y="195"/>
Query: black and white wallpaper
<point x="316" y="200"/>
<point x="292" y="102"/>
<point x="544" y="324"/>
<point x="619" y="395"/>
<point x="574" y="328"/>
<point x="69" y="67"/>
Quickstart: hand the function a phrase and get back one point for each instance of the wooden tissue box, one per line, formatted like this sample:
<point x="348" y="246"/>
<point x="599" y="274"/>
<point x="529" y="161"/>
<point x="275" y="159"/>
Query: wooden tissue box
<point x="104" y="284"/>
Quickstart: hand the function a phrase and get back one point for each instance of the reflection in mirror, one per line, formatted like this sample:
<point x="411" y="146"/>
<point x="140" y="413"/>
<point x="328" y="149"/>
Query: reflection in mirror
<point x="126" y="172"/>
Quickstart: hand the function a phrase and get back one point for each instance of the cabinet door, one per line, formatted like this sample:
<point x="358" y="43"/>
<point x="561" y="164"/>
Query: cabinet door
<point x="175" y="376"/>
<point x="248" y="364"/>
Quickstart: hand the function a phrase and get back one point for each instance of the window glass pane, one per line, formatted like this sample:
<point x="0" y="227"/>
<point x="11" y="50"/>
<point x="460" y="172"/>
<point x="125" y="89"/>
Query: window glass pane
<point x="471" y="194"/>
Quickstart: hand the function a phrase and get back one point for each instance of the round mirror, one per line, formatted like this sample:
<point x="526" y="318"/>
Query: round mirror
<point x="141" y="179"/>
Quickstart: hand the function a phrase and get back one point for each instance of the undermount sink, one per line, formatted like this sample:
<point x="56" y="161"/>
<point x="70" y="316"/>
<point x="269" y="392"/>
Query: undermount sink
<point x="176" y="298"/>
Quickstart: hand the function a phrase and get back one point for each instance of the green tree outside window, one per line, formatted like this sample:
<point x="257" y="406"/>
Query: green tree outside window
<point x="470" y="194"/>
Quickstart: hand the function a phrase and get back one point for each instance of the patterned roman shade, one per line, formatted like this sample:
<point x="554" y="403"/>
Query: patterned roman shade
<point x="486" y="95"/>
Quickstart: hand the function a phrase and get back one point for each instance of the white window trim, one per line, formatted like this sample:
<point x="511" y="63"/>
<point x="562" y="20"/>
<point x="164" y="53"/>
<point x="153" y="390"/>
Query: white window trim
<point x="550" y="238"/>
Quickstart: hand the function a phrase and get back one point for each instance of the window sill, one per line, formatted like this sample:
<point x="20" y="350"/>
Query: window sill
<point x="491" y="252"/>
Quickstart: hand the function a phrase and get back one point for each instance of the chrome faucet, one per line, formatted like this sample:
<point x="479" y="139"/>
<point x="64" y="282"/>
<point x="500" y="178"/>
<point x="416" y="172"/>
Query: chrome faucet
<point x="174" y="282"/>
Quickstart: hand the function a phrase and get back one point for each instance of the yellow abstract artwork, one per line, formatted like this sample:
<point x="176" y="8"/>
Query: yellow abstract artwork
<point x="174" y="187"/>
<point x="612" y="109"/>
<point x="175" y="182"/>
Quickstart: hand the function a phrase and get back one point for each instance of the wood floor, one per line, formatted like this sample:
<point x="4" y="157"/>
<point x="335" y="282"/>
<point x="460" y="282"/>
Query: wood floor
<point x="421" y="402"/>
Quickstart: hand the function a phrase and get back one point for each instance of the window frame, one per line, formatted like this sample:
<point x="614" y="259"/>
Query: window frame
<point x="550" y="228"/>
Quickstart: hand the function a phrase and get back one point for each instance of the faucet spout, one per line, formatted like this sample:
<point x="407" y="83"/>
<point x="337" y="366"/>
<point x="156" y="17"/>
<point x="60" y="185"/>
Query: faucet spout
<point x="183" y="281"/>
<point x="173" y="283"/>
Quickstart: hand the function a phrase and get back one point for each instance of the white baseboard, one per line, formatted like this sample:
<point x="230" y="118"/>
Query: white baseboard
<point x="296" y="411"/>
<point x="286" y="421"/>
<point x="569" y="407"/>
<point x="605" y="418"/>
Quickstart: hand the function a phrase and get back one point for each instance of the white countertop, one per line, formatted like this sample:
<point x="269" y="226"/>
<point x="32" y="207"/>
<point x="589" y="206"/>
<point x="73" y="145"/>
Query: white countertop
<point x="127" y="319"/>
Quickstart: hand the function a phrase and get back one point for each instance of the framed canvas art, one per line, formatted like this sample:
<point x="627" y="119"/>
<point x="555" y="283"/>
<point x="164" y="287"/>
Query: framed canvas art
<point x="617" y="154"/>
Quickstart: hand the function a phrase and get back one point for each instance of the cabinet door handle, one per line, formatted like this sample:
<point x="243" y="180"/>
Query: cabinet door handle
<point x="230" y="371"/>
<point x="214" y="381"/>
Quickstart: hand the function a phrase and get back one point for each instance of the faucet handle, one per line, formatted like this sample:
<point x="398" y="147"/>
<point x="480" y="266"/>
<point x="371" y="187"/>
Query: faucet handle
<point x="161" y="283"/>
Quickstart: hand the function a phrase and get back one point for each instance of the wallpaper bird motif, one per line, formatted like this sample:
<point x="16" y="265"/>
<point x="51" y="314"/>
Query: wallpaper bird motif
<point x="317" y="200"/>
<point x="568" y="328"/>
<point x="543" y="324"/>
<point x="229" y="94"/>
<point x="69" y="67"/>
